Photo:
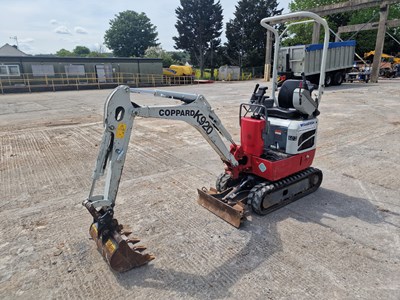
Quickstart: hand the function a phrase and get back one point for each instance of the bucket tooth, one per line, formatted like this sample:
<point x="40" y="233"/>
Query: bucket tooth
<point x="133" y="241"/>
<point x="139" y="248"/>
<point x="118" y="251"/>
<point x="212" y="200"/>
<point x="126" y="232"/>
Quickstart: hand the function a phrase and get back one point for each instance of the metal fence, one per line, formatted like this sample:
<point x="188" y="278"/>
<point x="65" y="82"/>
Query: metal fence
<point x="27" y="82"/>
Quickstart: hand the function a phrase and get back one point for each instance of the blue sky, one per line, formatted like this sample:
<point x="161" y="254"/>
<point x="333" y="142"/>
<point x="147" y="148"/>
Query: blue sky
<point x="45" y="26"/>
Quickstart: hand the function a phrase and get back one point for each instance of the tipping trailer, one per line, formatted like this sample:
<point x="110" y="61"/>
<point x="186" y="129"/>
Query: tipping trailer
<point x="295" y="60"/>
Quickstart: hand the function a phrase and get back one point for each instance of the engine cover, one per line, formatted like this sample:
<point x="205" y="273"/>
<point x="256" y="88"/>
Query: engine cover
<point x="291" y="136"/>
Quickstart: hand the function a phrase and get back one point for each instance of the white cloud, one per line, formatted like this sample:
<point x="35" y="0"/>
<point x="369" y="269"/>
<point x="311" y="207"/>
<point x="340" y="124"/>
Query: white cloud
<point x="26" y="41"/>
<point x="25" y="45"/>
<point x="80" y="30"/>
<point x="26" y="48"/>
<point x="62" y="30"/>
<point x="52" y="23"/>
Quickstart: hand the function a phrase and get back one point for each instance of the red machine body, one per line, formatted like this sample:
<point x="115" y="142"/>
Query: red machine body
<point x="252" y="149"/>
<point x="251" y="135"/>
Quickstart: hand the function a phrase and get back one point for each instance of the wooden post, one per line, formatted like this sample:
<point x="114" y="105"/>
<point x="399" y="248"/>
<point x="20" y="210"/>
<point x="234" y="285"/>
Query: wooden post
<point x="316" y="33"/>
<point x="268" y="51"/>
<point x="380" y="40"/>
<point x="337" y="37"/>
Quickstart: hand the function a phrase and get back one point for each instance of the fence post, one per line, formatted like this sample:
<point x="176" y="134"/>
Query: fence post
<point x="29" y="86"/>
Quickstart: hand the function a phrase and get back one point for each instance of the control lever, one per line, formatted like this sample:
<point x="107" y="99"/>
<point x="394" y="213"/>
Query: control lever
<point x="258" y="94"/>
<point x="304" y="83"/>
<point x="254" y="95"/>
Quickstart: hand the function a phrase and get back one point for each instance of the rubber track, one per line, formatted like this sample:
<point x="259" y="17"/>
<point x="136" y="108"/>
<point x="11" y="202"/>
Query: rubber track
<point x="258" y="193"/>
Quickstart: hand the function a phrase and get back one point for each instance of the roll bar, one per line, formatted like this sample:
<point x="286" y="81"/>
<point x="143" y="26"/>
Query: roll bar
<point x="283" y="19"/>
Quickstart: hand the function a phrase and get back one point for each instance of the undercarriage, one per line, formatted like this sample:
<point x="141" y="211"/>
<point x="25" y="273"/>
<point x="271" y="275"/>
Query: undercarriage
<point x="263" y="197"/>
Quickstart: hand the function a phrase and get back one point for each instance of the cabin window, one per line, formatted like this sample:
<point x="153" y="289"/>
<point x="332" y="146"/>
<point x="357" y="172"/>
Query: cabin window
<point x="75" y="70"/>
<point x="43" y="70"/>
<point x="9" y="70"/>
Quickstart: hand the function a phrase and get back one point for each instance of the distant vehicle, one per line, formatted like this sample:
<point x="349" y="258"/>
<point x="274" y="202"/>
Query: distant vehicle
<point x="175" y="70"/>
<point x="295" y="60"/>
<point x="362" y="74"/>
<point x="387" y="65"/>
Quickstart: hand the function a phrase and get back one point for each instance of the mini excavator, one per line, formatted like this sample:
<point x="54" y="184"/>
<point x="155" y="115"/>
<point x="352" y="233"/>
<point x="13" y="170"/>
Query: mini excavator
<point x="270" y="168"/>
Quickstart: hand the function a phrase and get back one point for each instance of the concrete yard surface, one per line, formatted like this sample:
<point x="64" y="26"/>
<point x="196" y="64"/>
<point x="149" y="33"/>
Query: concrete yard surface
<point x="341" y="242"/>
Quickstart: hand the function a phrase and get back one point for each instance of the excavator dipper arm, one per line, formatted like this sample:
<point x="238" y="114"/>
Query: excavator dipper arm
<point x="119" y="114"/>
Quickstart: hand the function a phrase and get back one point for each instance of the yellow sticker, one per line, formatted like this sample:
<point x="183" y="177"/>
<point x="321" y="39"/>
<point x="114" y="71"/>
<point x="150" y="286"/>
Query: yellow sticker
<point x="110" y="246"/>
<point x="94" y="228"/>
<point x="120" y="131"/>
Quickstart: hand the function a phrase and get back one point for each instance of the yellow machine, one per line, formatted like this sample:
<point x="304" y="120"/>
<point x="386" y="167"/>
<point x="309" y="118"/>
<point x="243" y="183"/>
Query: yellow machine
<point x="175" y="70"/>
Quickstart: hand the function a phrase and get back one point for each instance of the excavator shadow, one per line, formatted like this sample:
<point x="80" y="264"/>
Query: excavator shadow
<point x="326" y="208"/>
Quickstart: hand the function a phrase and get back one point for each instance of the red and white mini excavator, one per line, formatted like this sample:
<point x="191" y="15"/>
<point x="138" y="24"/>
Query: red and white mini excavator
<point x="267" y="170"/>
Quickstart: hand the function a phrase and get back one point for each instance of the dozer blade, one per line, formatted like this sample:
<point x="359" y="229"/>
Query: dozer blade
<point x="119" y="251"/>
<point x="212" y="200"/>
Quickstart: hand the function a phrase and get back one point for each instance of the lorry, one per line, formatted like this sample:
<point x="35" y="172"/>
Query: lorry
<point x="295" y="60"/>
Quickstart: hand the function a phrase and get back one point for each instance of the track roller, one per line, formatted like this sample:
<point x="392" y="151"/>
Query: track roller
<point x="269" y="196"/>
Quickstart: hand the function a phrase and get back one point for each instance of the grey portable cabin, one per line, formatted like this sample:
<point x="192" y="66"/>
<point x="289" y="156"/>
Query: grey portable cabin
<point x="54" y="73"/>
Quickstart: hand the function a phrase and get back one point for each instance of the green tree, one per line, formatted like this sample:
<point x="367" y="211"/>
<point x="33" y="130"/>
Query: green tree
<point x="199" y="25"/>
<point x="366" y="39"/>
<point x="130" y="34"/>
<point x="182" y="57"/>
<point x="97" y="54"/>
<point x="245" y="35"/>
<point x="63" y="52"/>
<point x="81" y="51"/>
<point x="158" y="52"/>
<point x="302" y="34"/>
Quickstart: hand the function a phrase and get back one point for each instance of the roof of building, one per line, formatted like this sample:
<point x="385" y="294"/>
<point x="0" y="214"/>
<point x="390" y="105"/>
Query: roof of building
<point x="8" y="50"/>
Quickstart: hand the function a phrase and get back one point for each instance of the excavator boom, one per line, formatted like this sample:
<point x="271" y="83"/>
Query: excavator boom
<point x="119" y="114"/>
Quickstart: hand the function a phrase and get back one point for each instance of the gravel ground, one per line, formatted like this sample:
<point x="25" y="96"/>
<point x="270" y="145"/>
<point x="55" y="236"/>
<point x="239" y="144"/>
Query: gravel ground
<point x="341" y="242"/>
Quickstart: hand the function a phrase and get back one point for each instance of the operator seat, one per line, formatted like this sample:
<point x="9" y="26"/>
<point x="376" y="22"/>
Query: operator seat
<point x="286" y="110"/>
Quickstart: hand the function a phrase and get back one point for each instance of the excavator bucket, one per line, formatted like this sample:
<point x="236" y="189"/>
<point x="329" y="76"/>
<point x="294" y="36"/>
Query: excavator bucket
<point x="119" y="250"/>
<point x="233" y="213"/>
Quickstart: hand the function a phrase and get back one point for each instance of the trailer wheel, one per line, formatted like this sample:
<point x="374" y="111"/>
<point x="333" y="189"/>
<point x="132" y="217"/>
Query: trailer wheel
<point x="338" y="78"/>
<point x="328" y="79"/>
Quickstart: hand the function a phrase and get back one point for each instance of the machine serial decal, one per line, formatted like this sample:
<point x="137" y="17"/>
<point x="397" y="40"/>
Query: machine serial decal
<point x="307" y="124"/>
<point x="200" y="118"/>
